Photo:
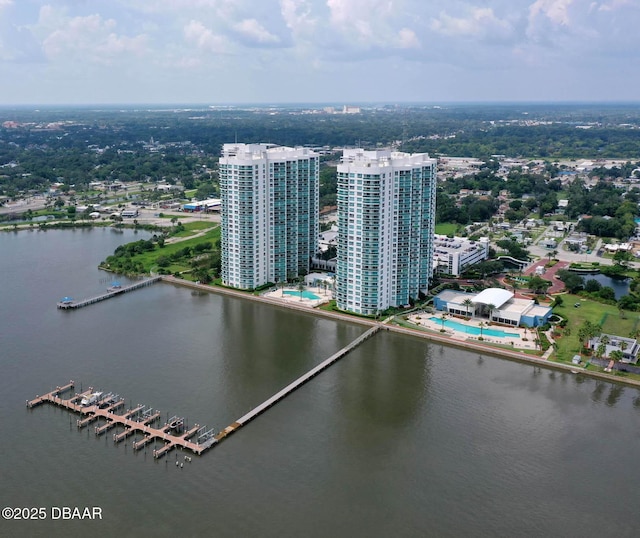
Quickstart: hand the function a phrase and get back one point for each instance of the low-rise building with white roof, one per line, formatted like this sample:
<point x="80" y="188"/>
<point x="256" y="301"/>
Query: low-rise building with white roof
<point x="498" y="305"/>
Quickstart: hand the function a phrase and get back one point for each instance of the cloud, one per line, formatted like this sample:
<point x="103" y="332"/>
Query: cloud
<point x="479" y="22"/>
<point x="254" y="33"/>
<point x="407" y="39"/>
<point x="556" y="11"/>
<point x="297" y="15"/>
<point x="613" y="5"/>
<point x="89" y="38"/>
<point x="322" y="40"/>
<point x="196" y="33"/>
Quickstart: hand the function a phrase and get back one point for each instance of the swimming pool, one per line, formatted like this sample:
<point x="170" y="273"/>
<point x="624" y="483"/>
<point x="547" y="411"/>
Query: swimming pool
<point x="305" y="294"/>
<point x="468" y="329"/>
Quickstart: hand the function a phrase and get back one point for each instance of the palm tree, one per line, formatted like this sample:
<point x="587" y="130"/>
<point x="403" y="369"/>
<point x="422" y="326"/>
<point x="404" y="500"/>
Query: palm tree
<point x="442" y="319"/>
<point x="481" y="325"/>
<point x="616" y="355"/>
<point x="623" y="346"/>
<point x="301" y="287"/>
<point x="600" y="350"/>
<point x="491" y="307"/>
<point x="467" y="303"/>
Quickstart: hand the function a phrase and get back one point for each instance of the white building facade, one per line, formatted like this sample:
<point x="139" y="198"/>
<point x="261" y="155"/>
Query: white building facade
<point x="452" y="255"/>
<point x="269" y="209"/>
<point x="386" y="219"/>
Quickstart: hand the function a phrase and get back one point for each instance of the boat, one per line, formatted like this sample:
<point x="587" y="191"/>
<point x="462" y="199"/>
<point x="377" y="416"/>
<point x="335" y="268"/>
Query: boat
<point x="91" y="399"/>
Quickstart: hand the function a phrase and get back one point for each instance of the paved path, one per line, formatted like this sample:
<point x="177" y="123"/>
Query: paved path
<point x="550" y="274"/>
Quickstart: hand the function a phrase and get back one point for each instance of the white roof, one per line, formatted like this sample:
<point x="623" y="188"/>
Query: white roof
<point x="495" y="296"/>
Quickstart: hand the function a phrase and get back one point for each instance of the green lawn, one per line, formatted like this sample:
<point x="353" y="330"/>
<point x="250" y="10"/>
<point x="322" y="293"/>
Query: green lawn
<point x="148" y="259"/>
<point x="191" y="228"/>
<point x="594" y="312"/>
<point x="447" y="228"/>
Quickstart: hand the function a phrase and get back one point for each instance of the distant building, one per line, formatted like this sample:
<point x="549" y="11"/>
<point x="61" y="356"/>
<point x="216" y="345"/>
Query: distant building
<point x="452" y="255"/>
<point x="386" y="219"/>
<point x="269" y="207"/>
<point x="212" y="204"/>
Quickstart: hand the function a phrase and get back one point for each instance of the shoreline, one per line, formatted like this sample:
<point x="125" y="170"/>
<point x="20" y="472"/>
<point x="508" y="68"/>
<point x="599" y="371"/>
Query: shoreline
<point x="505" y="354"/>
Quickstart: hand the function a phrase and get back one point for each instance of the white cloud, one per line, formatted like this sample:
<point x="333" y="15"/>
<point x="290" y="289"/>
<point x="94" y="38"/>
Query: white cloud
<point x="88" y="38"/>
<point x="613" y="5"/>
<point x="407" y="39"/>
<point x="557" y="11"/>
<point x="196" y="33"/>
<point x="479" y="22"/>
<point x="297" y="16"/>
<point x="324" y="39"/>
<point x="255" y="32"/>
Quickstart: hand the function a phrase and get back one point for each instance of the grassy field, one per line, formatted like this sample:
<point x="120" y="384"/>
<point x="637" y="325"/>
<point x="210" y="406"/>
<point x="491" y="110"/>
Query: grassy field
<point x="598" y="313"/>
<point x="147" y="261"/>
<point x="191" y="228"/>
<point x="447" y="228"/>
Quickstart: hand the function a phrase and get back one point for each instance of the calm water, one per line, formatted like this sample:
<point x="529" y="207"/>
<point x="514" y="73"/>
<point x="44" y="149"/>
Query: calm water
<point x="620" y="286"/>
<point x="400" y="438"/>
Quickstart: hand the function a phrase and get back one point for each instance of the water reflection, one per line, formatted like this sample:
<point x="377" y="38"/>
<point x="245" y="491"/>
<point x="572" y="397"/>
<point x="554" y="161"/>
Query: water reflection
<point x="614" y="394"/>
<point x="387" y="382"/>
<point x="598" y="391"/>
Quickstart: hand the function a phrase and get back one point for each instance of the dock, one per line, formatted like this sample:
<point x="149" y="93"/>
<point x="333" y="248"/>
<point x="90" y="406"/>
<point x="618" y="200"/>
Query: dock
<point x="295" y="385"/>
<point x="69" y="304"/>
<point x="136" y="420"/>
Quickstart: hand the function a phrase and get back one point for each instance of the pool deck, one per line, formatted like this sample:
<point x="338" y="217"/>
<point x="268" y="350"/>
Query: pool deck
<point x="421" y="319"/>
<point x="294" y="296"/>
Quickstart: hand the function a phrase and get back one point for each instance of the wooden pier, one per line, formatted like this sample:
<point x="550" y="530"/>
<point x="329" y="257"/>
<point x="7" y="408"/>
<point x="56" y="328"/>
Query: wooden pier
<point x="70" y="304"/>
<point x="294" y="385"/>
<point x="135" y="421"/>
<point x="139" y="419"/>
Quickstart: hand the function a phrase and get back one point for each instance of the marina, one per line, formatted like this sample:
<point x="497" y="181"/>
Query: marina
<point x="94" y="406"/>
<point x="135" y="421"/>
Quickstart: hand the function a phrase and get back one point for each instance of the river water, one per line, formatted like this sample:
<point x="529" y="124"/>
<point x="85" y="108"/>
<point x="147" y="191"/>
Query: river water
<point x="400" y="438"/>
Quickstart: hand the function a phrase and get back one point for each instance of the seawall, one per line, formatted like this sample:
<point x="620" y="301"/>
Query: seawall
<point x="433" y="337"/>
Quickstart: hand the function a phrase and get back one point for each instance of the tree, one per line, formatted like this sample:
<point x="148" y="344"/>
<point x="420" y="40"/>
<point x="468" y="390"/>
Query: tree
<point x="622" y="257"/>
<point x="538" y="284"/>
<point x="572" y="281"/>
<point x="443" y="317"/>
<point x="592" y="285"/>
<point x="467" y="303"/>
<point x="481" y="325"/>
<point x="491" y="307"/>
<point x="616" y="355"/>
<point x="587" y="331"/>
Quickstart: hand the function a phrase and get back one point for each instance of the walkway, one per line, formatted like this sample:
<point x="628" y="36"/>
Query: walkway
<point x="550" y="274"/>
<point x="295" y="385"/>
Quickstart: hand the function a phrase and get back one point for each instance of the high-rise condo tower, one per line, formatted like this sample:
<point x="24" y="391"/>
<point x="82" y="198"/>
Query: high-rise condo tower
<point x="386" y="219"/>
<point x="269" y="213"/>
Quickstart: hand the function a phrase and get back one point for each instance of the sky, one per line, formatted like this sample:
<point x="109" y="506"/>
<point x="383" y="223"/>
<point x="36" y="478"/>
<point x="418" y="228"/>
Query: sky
<point x="302" y="51"/>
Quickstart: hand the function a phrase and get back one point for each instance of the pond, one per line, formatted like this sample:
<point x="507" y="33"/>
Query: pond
<point x="620" y="286"/>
